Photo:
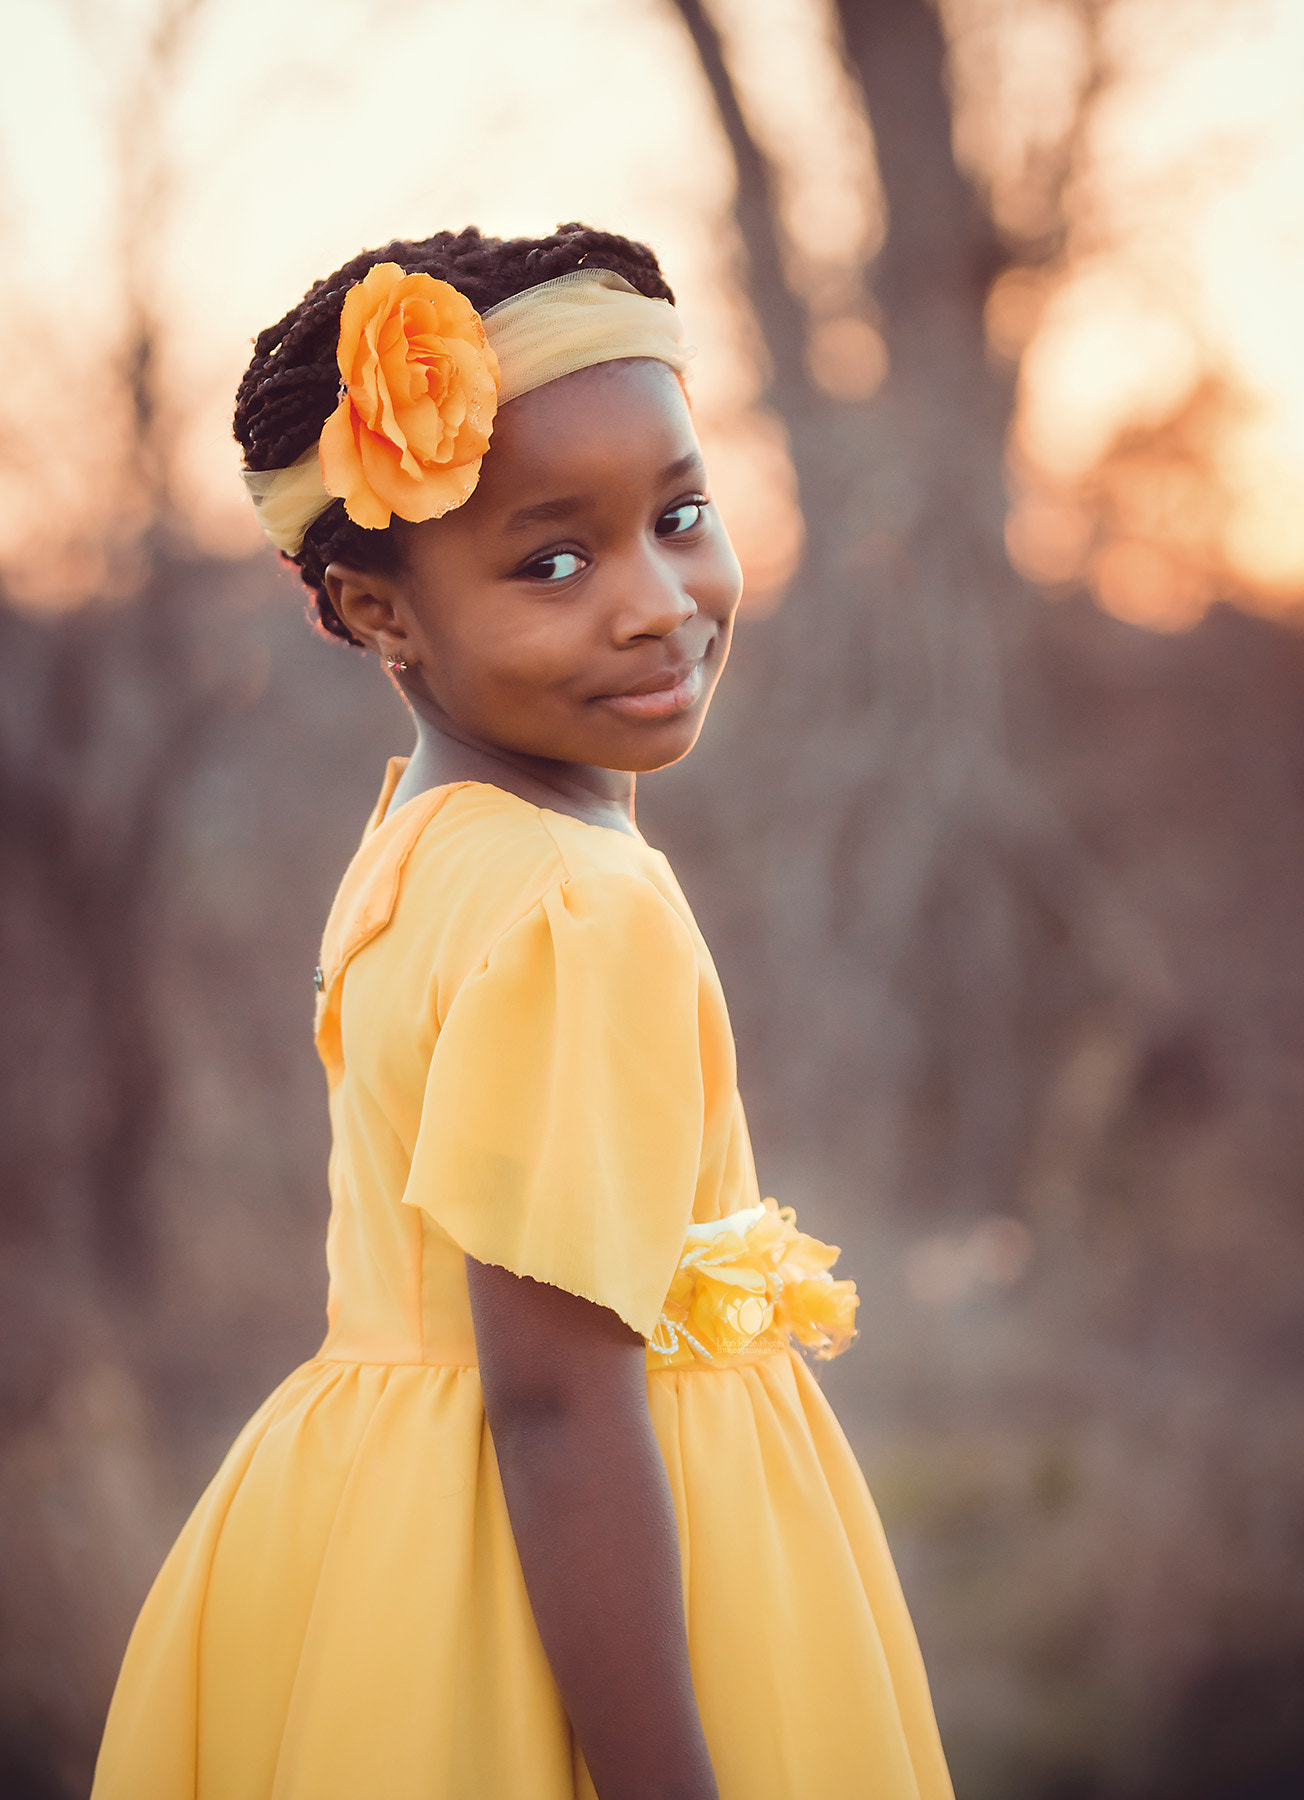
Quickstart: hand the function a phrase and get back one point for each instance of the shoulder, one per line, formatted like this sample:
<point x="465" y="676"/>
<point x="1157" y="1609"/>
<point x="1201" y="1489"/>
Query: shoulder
<point x="478" y="840"/>
<point x="486" y="863"/>
<point x="482" y="842"/>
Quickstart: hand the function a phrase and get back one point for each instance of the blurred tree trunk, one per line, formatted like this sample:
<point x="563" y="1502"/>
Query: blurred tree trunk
<point x="912" y="878"/>
<point x="104" y="709"/>
<point x="102" y="715"/>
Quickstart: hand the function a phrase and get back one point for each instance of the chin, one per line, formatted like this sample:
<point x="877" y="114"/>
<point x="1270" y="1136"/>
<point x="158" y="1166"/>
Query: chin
<point x="658" y="749"/>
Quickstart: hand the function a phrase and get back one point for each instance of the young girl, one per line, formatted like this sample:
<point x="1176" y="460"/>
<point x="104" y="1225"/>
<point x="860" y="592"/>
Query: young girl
<point x="558" y="1509"/>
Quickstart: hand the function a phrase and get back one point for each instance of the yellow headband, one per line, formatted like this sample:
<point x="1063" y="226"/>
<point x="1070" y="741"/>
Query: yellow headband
<point x="422" y="375"/>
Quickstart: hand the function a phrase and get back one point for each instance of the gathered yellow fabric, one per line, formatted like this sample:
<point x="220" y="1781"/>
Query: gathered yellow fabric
<point x="423" y="376"/>
<point x="576" y="321"/>
<point x="529" y="1062"/>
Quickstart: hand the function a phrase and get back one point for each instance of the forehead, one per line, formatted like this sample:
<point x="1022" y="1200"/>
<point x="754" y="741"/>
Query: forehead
<point x="617" y="422"/>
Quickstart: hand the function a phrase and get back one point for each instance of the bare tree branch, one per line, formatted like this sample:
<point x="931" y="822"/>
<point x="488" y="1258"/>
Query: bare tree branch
<point x="941" y="247"/>
<point x="779" y="312"/>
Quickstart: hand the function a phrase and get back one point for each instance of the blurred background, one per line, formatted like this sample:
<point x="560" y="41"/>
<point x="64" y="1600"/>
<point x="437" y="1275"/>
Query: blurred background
<point x="995" y="830"/>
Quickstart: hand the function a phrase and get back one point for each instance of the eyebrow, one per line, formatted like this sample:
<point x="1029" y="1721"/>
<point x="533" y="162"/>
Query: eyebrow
<point x="566" y="508"/>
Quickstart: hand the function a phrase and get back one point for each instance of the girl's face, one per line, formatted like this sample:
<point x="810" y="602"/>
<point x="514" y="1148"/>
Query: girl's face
<point x="579" y="606"/>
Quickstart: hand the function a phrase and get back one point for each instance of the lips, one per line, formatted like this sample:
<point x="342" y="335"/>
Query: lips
<point x="659" y="696"/>
<point x="657" y="684"/>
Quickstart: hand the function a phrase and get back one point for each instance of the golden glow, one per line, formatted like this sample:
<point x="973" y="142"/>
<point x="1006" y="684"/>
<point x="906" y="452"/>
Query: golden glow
<point x="847" y="357"/>
<point x="1184" y="278"/>
<point x="1101" y="357"/>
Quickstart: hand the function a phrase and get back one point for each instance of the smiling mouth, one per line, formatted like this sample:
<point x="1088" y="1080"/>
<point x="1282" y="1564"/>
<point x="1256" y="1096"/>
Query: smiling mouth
<point x="660" y="697"/>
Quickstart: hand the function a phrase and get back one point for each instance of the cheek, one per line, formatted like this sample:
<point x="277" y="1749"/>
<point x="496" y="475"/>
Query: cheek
<point x="516" y="653"/>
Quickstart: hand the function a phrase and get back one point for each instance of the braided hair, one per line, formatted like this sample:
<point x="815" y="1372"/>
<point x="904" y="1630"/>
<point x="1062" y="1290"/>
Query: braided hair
<point x="291" y="386"/>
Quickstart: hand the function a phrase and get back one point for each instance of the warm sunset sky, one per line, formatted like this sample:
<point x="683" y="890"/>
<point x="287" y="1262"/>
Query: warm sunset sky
<point x="1196" y="265"/>
<point x="302" y="130"/>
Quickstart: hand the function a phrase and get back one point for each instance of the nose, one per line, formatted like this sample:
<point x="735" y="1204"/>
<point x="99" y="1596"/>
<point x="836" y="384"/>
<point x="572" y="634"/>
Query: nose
<point x="656" y="598"/>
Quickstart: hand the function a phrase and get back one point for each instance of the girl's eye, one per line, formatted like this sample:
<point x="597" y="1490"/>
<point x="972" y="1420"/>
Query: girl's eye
<point x="556" y="565"/>
<point x="681" y="518"/>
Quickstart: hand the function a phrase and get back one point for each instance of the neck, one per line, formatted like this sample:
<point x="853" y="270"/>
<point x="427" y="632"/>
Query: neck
<point x="596" y="796"/>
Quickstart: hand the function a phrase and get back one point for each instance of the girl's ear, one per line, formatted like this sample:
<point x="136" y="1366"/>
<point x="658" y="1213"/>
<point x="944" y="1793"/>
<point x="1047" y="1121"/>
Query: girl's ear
<point x="365" y="600"/>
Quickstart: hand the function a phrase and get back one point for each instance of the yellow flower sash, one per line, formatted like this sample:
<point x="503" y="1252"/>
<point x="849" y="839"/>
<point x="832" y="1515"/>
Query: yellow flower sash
<point x="751" y="1282"/>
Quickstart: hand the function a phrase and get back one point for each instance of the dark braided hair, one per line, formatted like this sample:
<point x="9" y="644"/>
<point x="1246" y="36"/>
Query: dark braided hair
<point x="291" y="387"/>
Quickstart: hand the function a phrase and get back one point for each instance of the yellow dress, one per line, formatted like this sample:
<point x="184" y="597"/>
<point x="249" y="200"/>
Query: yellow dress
<point x="529" y="1061"/>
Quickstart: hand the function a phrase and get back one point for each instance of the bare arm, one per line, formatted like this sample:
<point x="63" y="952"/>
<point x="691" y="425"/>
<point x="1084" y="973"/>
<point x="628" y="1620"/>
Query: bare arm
<point x="565" y="1392"/>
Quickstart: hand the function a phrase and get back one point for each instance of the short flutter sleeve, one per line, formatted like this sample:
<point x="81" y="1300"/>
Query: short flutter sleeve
<point x="561" y="1130"/>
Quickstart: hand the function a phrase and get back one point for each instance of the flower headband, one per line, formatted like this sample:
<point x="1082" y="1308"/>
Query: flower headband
<point x="422" y="376"/>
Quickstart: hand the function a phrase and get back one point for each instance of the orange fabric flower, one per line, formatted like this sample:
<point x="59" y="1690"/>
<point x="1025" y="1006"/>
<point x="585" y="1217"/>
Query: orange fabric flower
<point x="421" y="393"/>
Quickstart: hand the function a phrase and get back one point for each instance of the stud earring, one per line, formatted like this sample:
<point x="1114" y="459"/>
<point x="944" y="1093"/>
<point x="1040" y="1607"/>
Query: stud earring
<point x="395" y="665"/>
